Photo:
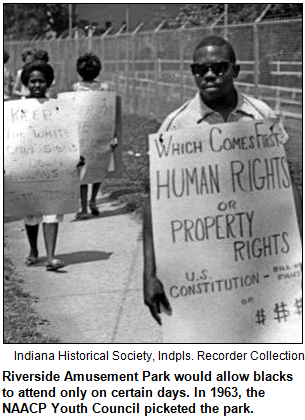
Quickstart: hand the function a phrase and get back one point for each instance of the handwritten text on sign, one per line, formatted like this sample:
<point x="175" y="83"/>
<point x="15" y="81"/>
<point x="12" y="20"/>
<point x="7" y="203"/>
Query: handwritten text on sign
<point x="95" y="114"/>
<point x="225" y="233"/>
<point x="41" y="153"/>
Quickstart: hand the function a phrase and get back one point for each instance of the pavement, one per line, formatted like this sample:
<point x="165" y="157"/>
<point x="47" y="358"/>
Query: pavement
<point x="97" y="297"/>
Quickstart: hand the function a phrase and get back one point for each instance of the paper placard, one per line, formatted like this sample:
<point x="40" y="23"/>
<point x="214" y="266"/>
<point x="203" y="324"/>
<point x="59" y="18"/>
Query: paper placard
<point x="226" y="239"/>
<point x="95" y="113"/>
<point x="41" y="153"/>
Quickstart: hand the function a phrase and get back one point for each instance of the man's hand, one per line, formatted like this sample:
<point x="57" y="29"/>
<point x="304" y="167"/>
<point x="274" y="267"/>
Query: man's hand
<point x="114" y="143"/>
<point x="154" y="296"/>
<point x="81" y="162"/>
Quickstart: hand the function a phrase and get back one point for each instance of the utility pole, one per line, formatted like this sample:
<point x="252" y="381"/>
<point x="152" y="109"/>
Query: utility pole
<point x="17" y="20"/>
<point x="256" y="49"/>
<point x="127" y="10"/>
<point x="70" y="20"/>
<point x="226" y="20"/>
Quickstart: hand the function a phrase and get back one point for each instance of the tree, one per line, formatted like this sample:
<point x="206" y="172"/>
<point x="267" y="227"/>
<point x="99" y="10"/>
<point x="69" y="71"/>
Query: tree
<point x="285" y="10"/>
<point x="58" y="16"/>
<point x="197" y="14"/>
<point x="23" y="20"/>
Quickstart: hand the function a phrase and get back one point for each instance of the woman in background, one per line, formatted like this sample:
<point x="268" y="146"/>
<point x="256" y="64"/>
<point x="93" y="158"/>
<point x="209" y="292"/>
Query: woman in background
<point x="8" y="78"/>
<point x="89" y="66"/>
<point x="19" y="89"/>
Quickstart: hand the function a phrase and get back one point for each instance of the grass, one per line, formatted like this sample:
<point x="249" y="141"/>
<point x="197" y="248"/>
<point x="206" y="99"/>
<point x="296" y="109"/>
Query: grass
<point x="21" y="323"/>
<point x="132" y="188"/>
<point x="294" y="149"/>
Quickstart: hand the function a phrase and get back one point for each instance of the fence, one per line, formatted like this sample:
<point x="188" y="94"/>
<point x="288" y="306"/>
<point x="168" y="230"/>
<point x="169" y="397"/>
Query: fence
<point x="150" y="70"/>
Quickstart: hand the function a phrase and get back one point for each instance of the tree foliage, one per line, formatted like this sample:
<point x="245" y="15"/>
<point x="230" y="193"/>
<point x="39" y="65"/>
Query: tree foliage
<point x="28" y="20"/>
<point x="196" y="14"/>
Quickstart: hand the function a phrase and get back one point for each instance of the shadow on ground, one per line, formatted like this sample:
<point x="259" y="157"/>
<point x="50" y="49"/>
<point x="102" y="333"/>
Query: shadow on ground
<point x="79" y="257"/>
<point x="117" y="211"/>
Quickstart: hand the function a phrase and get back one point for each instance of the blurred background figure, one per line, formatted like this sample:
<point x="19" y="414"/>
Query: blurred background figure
<point x="19" y="90"/>
<point x="41" y="55"/>
<point x="88" y="67"/>
<point x="8" y="77"/>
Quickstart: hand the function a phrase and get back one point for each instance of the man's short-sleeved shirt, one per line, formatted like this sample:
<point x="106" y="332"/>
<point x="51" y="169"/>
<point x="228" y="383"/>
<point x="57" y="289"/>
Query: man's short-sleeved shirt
<point x="196" y="112"/>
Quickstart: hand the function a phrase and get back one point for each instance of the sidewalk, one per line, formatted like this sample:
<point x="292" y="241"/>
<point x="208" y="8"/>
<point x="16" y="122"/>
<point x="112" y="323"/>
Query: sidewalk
<point x="97" y="297"/>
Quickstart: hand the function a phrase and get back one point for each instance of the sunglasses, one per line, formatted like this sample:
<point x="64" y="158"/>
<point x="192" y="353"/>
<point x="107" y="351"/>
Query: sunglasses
<point x="200" y="70"/>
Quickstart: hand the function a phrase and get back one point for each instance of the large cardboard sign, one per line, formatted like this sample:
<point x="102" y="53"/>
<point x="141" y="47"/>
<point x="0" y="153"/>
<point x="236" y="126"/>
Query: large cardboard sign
<point x="41" y="153"/>
<point x="95" y="114"/>
<point x="226" y="239"/>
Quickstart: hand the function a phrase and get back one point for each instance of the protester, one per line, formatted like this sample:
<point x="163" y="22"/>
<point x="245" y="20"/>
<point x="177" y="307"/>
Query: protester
<point x="8" y="77"/>
<point x="41" y="55"/>
<point x="38" y="76"/>
<point x="89" y="66"/>
<point x="19" y="90"/>
<point x="217" y="101"/>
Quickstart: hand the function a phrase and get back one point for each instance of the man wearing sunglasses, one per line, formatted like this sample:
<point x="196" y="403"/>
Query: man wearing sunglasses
<point x="217" y="101"/>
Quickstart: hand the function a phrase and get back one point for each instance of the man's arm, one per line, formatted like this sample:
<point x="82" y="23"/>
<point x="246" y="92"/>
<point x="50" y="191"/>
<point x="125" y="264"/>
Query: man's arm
<point x="154" y="294"/>
<point x="298" y="205"/>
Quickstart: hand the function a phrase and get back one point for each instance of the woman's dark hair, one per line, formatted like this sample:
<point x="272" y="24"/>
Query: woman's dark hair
<point x="41" y="55"/>
<point x="88" y="66"/>
<point x="6" y="56"/>
<point x="41" y="66"/>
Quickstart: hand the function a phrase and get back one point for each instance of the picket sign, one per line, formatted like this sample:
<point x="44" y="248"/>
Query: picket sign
<point x="226" y="238"/>
<point x="95" y="113"/>
<point x="41" y="153"/>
